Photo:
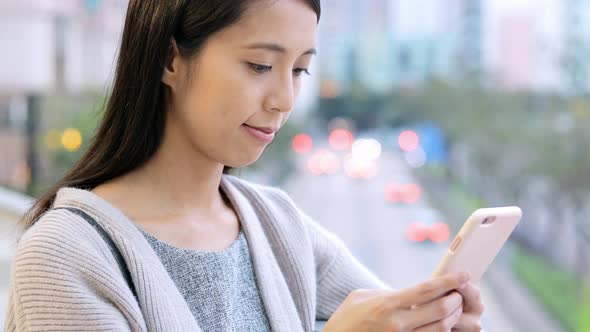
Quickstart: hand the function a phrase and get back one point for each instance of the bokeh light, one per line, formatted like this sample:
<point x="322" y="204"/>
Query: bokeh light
<point x="21" y="175"/>
<point x="329" y="89"/>
<point x="439" y="232"/>
<point x="323" y="162"/>
<point x="366" y="149"/>
<point x="408" y="140"/>
<point x="341" y="139"/>
<point x="392" y="193"/>
<point x="416" y="158"/>
<point x="417" y="232"/>
<point x="410" y="193"/>
<point x="302" y="143"/>
<point x="71" y="139"/>
<point x="360" y="168"/>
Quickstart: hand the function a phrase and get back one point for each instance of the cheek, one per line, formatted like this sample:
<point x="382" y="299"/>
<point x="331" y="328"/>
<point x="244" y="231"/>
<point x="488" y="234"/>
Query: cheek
<point x="228" y="98"/>
<point x="205" y="103"/>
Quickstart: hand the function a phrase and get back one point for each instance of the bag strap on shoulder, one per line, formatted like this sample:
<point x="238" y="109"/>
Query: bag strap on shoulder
<point x="114" y="250"/>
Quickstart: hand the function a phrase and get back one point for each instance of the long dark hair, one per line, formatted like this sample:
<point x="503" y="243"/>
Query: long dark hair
<point x="132" y="127"/>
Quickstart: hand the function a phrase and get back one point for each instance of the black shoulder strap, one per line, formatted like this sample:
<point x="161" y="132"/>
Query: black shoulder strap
<point x="109" y="241"/>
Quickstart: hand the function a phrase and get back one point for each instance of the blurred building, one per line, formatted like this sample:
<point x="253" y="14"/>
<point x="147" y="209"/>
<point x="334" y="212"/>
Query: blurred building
<point x="436" y="39"/>
<point x="388" y="44"/>
<point x="421" y="42"/>
<point x="58" y="44"/>
<point x="337" y="41"/>
<point x="537" y="45"/>
<point x="50" y="47"/>
<point x="469" y="35"/>
<point x="524" y="43"/>
<point x="576" y="34"/>
<point x="517" y="43"/>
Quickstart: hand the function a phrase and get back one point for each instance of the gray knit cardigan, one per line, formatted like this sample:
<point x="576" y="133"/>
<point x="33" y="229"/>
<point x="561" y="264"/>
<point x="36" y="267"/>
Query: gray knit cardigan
<point x="65" y="278"/>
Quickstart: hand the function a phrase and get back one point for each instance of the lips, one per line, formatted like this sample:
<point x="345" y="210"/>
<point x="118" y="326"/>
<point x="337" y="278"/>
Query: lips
<point x="266" y="130"/>
<point x="262" y="134"/>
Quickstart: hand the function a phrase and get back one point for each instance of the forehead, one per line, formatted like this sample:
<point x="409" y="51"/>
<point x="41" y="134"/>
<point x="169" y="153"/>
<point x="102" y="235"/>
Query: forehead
<point x="290" y="23"/>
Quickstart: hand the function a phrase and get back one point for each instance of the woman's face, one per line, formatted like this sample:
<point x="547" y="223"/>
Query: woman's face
<point x="247" y="75"/>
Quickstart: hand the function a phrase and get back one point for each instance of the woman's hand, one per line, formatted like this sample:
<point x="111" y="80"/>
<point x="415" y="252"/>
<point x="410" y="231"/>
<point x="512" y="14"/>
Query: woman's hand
<point x="470" y="320"/>
<point x="434" y="305"/>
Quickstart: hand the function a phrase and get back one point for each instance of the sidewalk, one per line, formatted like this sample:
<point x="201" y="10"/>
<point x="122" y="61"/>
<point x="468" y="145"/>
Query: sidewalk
<point x="494" y="318"/>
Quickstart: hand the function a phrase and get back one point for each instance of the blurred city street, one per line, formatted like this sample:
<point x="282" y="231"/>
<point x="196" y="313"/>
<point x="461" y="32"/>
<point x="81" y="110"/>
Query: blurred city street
<point x="375" y="231"/>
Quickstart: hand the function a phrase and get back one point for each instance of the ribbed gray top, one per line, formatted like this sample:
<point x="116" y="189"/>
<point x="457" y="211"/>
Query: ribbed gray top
<point x="218" y="286"/>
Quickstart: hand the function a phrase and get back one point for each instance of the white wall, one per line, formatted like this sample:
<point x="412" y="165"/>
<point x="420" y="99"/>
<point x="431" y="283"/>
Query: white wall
<point x="546" y="44"/>
<point x="29" y="44"/>
<point x="27" y="52"/>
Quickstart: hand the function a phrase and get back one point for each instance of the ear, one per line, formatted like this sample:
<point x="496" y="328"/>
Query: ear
<point x="171" y="74"/>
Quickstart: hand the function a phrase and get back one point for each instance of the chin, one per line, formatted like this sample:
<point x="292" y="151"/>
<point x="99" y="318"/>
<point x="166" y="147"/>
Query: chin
<point x="242" y="162"/>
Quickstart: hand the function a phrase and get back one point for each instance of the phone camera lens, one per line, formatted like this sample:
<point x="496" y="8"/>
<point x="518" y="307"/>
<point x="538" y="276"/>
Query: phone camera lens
<point x="488" y="220"/>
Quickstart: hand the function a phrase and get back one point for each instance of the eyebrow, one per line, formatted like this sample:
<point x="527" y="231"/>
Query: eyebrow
<point x="276" y="48"/>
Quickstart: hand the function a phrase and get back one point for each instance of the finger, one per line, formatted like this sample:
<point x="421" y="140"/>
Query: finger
<point x="468" y="322"/>
<point x="429" y="290"/>
<point x="472" y="302"/>
<point x="445" y="324"/>
<point x="434" y="311"/>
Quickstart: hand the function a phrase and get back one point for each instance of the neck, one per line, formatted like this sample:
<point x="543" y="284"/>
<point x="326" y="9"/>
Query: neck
<point x="177" y="182"/>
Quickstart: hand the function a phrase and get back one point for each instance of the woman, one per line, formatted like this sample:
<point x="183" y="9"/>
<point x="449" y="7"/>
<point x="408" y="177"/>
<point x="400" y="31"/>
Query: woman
<point x="202" y="86"/>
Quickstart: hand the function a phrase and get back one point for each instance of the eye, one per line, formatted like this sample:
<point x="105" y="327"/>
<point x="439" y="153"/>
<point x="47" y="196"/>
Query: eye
<point x="259" y="69"/>
<point x="298" y="71"/>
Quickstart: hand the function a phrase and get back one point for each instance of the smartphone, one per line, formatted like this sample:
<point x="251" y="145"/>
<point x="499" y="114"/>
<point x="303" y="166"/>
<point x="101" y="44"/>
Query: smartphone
<point x="479" y="241"/>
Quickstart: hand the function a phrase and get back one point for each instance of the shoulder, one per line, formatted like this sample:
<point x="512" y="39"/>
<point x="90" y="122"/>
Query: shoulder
<point x="55" y="224"/>
<point x="59" y="238"/>
<point x="61" y="267"/>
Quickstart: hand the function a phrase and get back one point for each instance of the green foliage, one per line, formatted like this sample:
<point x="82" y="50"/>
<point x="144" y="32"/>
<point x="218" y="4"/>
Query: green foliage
<point x="583" y="318"/>
<point x="60" y="112"/>
<point x="364" y="109"/>
<point x="555" y="288"/>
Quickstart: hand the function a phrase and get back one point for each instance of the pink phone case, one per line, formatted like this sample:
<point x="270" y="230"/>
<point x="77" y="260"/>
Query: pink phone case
<point x="479" y="241"/>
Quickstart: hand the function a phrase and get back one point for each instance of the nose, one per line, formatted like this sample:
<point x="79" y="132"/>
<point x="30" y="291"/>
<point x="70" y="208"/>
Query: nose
<point x="282" y="95"/>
